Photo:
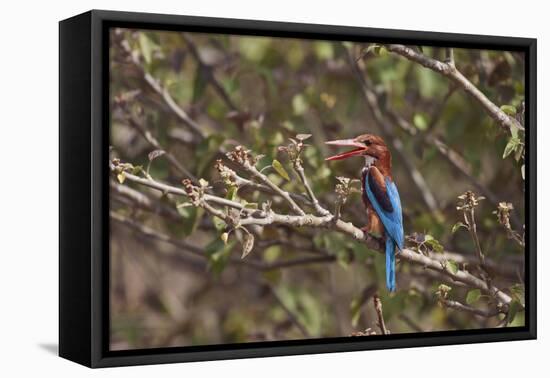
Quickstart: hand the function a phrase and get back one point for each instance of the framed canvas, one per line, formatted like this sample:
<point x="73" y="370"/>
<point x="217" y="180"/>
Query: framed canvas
<point x="234" y="188"/>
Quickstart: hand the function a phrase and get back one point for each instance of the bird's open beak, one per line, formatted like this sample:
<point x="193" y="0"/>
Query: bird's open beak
<point x="358" y="148"/>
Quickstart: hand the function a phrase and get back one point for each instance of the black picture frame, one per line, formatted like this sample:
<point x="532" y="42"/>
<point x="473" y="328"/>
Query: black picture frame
<point x="83" y="195"/>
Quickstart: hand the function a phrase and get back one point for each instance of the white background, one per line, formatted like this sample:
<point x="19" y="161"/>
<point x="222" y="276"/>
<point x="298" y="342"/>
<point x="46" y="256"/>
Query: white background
<point x="29" y="177"/>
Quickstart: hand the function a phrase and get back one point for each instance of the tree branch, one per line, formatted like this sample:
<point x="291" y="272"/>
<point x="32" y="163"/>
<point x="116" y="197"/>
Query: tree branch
<point x="451" y="72"/>
<point x="379" y="314"/>
<point x="242" y="183"/>
<point x="260" y="217"/>
<point x="143" y="201"/>
<point x="242" y="157"/>
<point x="155" y="85"/>
<point x="462" y="307"/>
<point x="136" y="124"/>
<point x="208" y="71"/>
<point x="301" y="173"/>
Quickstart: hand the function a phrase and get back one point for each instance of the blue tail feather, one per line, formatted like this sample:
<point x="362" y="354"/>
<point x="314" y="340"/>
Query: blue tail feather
<point x="390" y="264"/>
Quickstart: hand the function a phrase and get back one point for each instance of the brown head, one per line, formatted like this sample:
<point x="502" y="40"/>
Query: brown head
<point x="366" y="145"/>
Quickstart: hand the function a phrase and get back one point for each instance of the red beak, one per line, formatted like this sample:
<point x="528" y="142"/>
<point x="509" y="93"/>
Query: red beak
<point x="358" y="148"/>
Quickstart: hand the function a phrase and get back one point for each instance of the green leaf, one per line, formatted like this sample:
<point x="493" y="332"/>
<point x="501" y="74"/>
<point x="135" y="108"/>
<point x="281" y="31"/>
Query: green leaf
<point x="371" y="48"/>
<point x="219" y="224"/>
<point x="513" y="143"/>
<point x="509" y="109"/>
<point x="248" y="244"/>
<point x="272" y="253"/>
<point x="137" y="169"/>
<point x="207" y="150"/>
<point x="146" y="46"/>
<point x="473" y="296"/>
<point x="299" y="104"/>
<point x="191" y="217"/>
<point x="224" y="236"/>
<point x="200" y="83"/>
<point x="456" y="226"/>
<point x="203" y="183"/>
<point x="280" y="169"/>
<point x="231" y="193"/>
<point x="444" y="288"/>
<point x="514" y="308"/>
<point x="379" y="50"/>
<point x="121" y="177"/>
<point x="434" y="244"/>
<point x="420" y="122"/>
<point x="254" y="48"/>
<point x="323" y="50"/>
<point x="519" y="153"/>
<point x="452" y="266"/>
<point x="514" y="131"/>
<point x="518" y="291"/>
<point x="218" y="254"/>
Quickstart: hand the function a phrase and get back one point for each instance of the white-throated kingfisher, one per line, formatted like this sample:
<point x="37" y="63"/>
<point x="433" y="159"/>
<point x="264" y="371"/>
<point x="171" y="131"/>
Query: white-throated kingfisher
<point x="379" y="193"/>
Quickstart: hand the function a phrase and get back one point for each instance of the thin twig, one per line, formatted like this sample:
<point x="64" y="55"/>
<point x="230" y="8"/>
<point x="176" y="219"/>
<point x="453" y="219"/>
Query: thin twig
<point x="472" y="227"/>
<point x="466" y="308"/>
<point x="143" y="201"/>
<point x="208" y="71"/>
<point x="252" y="170"/>
<point x="244" y="183"/>
<point x="378" y="307"/>
<point x="148" y="136"/>
<point x="316" y="205"/>
<point x="155" y="85"/>
<point x="169" y="189"/>
<point x="450" y="56"/>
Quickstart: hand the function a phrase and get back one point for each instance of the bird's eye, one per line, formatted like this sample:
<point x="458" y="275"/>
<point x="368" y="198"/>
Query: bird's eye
<point x="367" y="142"/>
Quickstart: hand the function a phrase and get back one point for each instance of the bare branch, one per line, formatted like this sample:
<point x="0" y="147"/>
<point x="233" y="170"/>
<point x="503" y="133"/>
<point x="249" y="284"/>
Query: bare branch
<point x="301" y="173"/>
<point x="243" y="183"/>
<point x="462" y="307"/>
<point x="199" y="251"/>
<point x="168" y="189"/>
<point x="243" y="157"/>
<point x="155" y="85"/>
<point x="143" y="201"/>
<point x="379" y="314"/>
<point x="208" y="71"/>
<point x="450" y="56"/>
<point x="451" y="72"/>
<point x="268" y="217"/>
<point x="135" y="123"/>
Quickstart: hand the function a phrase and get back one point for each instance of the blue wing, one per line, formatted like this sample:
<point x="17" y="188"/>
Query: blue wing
<point x="387" y="205"/>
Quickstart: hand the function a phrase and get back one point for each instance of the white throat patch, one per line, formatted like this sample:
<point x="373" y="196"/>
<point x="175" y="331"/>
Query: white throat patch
<point x="369" y="160"/>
